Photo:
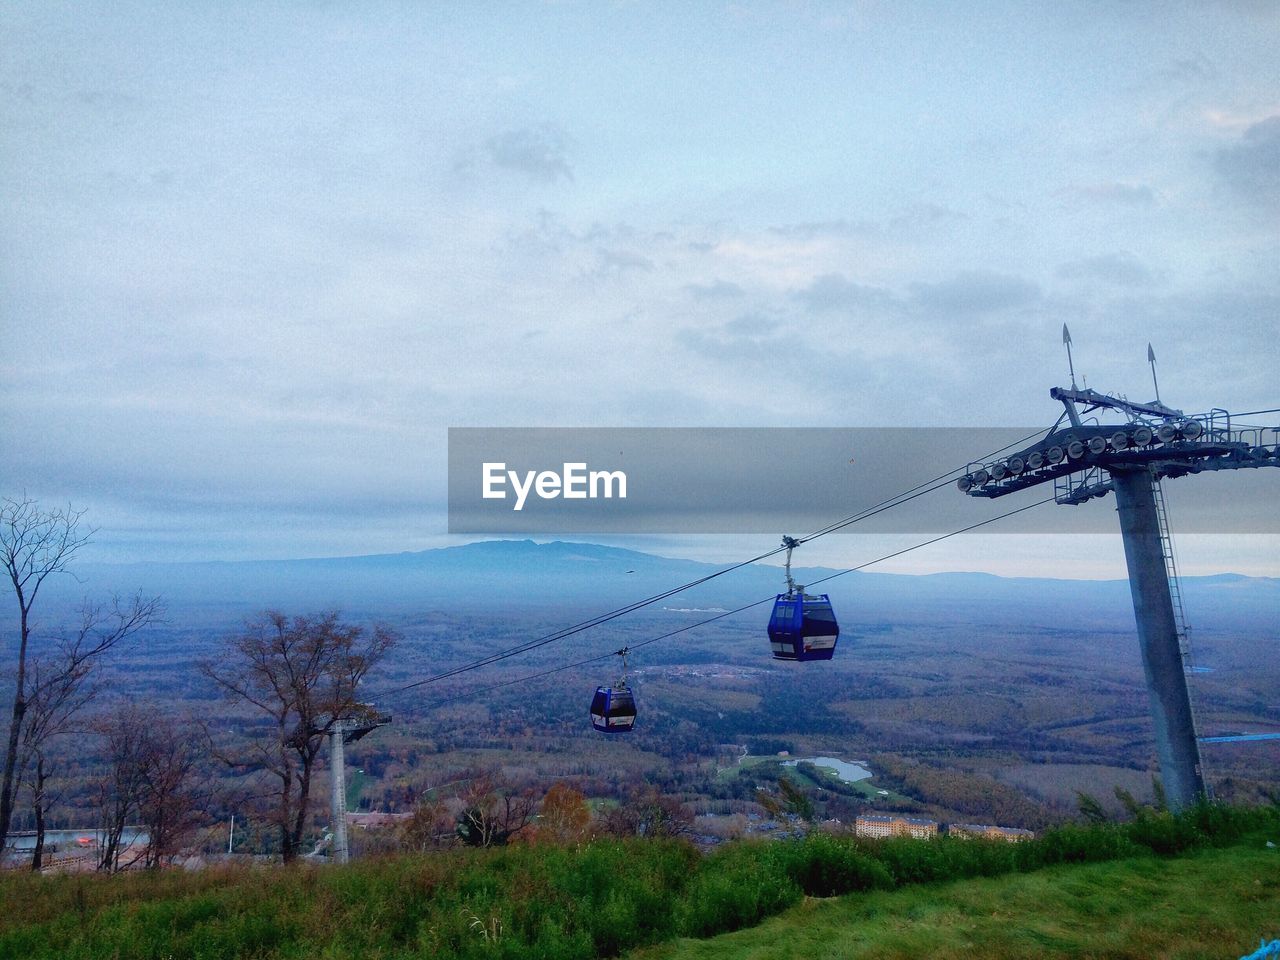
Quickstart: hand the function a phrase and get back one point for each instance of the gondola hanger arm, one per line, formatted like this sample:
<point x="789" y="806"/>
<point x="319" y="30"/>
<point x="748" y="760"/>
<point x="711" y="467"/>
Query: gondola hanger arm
<point x="790" y="543"/>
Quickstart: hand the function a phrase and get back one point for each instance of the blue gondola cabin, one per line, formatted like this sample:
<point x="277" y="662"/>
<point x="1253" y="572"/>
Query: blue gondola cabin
<point x="613" y="709"/>
<point x="803" y="627"/>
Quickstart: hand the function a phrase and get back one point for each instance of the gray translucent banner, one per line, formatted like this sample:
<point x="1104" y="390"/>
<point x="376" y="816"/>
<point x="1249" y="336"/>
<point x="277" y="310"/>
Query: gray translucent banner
<point x="552" y="481"/>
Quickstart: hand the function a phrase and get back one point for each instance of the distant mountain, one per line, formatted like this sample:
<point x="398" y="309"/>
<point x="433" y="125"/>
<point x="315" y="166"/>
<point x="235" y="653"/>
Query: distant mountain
<point x="503" y="574"/>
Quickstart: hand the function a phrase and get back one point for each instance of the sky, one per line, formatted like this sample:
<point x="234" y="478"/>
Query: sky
<point x="256" y="259"/>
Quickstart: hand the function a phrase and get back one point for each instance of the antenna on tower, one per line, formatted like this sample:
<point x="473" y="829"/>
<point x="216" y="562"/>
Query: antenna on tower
<point x="1151" y="359"/>
<point x="1066" y="339"/>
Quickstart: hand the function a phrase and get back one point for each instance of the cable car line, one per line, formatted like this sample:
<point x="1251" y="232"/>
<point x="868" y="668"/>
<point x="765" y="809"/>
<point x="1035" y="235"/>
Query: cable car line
<point x="942" y="479"/>
<point x="470" y="694"/>
<point x="912" y="493"/>
<point x="648" y="601"/>
<point x="578" y="627"/>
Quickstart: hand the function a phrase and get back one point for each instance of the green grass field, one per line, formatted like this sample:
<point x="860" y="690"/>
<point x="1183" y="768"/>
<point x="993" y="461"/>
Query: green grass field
<point x="1212" y="904"/>
<point x="827" y="777"/>
<point x="869" y="789"/>
<point x="356" y="781"/>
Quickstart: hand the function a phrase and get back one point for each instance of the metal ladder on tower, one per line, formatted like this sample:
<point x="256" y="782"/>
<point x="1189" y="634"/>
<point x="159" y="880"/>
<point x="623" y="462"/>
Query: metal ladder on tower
<point x="1179" y="615"/>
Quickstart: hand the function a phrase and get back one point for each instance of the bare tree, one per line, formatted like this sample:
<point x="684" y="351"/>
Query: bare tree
<point x="429" y="826"/>
<point x="649" y="813"/>
<point x="494" y="811"/>
<point x="56" y="694"/>
<point x="174" y="799"/>
<point x="301" y="674"/>
<point x="34" y="545"/>
<point x="120" y="786"/>
<point x="151" y="777"/>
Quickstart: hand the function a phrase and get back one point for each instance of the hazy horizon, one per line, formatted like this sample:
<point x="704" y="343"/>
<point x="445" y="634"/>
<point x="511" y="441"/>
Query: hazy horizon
<point x="712" y="555"/>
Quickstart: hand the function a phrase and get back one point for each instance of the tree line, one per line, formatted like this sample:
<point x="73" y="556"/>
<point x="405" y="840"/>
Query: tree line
<point x="292" y="679"/>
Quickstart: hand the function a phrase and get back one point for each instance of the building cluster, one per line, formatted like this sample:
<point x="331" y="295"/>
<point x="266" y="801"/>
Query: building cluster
<point x="896" y="825"/>
<point x="989" y="832"/>
<point x="888" y="825"/>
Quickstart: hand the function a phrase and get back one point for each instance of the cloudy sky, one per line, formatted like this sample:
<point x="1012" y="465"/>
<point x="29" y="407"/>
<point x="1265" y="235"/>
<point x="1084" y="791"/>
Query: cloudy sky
<point x="257" y="259"/>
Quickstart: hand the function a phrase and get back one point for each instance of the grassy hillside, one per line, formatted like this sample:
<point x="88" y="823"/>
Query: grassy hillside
<point x="1211" y="904"/>
<point x="607" y="896"/>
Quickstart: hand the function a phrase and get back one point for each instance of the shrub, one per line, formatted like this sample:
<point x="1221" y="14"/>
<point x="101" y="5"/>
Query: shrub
<point x="1074" y="844"/>
<point x="945" y="858"/>
<point x="1166" y="834"/>
<point x="826" y="866"/>
<point x="1223" y="824"/>
<point x="736" y="886"/>
<point x="550" y="941"/>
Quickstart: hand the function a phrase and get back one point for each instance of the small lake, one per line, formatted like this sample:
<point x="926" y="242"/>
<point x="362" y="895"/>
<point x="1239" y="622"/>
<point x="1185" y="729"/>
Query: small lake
<point x="848" y="771"/>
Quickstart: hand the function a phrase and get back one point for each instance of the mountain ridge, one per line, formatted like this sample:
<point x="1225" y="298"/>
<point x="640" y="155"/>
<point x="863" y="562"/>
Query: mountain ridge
<point x="563" y="548"/>
<point x="500" y="574"/>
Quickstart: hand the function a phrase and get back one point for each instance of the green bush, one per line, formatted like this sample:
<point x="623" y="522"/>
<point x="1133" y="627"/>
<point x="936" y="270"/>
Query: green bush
<point x="550" y="941"/>
<point x="736" y="886"/>
<point x="944" y="858"/>
<point x="1070" y="843"/>
<point x="825" y="866"/>
<point x="1223" y="824"/>
<point x="1164" y="833"/>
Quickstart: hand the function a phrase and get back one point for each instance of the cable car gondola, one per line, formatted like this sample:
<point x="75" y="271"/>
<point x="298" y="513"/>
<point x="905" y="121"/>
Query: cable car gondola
<point x="613" y="709"/>
<point x="803" y="626"/>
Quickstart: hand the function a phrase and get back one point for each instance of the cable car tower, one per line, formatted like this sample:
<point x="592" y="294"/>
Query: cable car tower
<point x="1089" y="459"/>
<point x="346" y="729"/>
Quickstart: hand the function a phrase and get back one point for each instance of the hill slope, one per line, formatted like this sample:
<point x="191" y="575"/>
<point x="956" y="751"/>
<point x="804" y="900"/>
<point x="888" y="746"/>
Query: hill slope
<point x="1210" y="892"/>
<point x="1216" y="903"/>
